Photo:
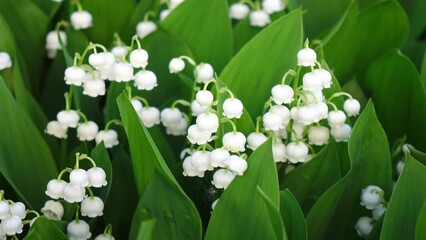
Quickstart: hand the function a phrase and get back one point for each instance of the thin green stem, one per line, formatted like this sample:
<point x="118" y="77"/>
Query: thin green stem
<point x="250" y="3"/>
<point x="82" y="115"/>
<point x="90" y="192"/>
<point x="84" y="156"/>
<point x="135" y="39"/>
<point x="147" y="15"/>
<point x="113" y="121"/>
<point x="1" y="195"/>
<point x="181" y="102"/>
<point x="288" y="73"/>
<point x="258" y="120"/>
<point x="190" y="60"/>
<point x="207" y="83"/>
<point x="143" y="100"/>
<point x="225" y="89"/>
<point x="33" y="211"/>
<point x="59" y="178"/>
<point x="338" y="94"/>
<point x="332" y="105"/>
<point x="296" y="78"/>
<point x="78" y="4"/>
<point x="234" y="128"/>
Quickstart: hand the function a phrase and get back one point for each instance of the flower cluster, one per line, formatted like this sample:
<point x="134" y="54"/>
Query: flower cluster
<point x="74" y="191"/>
<point x="5" y="61"/>
<point x="298" y="116"/>
<point x="259" y="16"/>
<point x="372" y="198"/>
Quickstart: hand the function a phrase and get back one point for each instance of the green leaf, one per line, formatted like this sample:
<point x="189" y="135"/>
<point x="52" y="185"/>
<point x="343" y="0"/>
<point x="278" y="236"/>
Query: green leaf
<point x="423" y="70"/>
<point x="335" y="213"/>
<point x="241" y="214"/>
<point x="101" y="157"/>
<point x="406" y="202"/>
<point x="23" y="152"/>
<point x="310" y="180"/>
<point x="393" y="74"/>
<point x="274" y="215"/>
<point x="145" y="230"/>
<point x="415" y="13"/>
<point x="205" y="26"/>
<point x="292" y="216"/>
<point x="243" y="32"/>
<point x="358" y="39"/>
<point x="43" y="229"/>
<point x="421" y="221"/>
<point x="175" y="215"/>
<point x="274" y="52"/>
<point x="50" y="8"/>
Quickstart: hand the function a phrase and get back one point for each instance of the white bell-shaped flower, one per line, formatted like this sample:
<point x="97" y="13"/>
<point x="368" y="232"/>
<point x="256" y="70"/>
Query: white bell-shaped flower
<point x="104" y="236"/>
<point x="72" y="194"/>
<point x="102" y="60"/>
<point x="92" y="207"/>
<point x="282" y="94"/>
<point x="352" y="107"/>
<point x="318" y="135"/>
<point x="176" y="65"/>
<point x="11" y="225"/>
<point x="79" y="178"/>
<point x="306" y="57"/>
<point x="145" y="80"/>
<point x="97" y="177"/>
<point x="109" y="137"/>
<point x="197" y="109"/>
<point x="341" y="133"/>
<point x="87" y="131"/>
<point x="81" y="20"/>
<point x="259" y="18"/>
<point x="283" y="112"/>
<point x="178" y="129"/>
<point x="170" y="116"/>
<point x="52" y="40"/>
<point x="56" y="129"/>
<point x="234" y="141"/>
<point x="190" y="170"/>
<point x="150" y="116"/>
<point x="197" y="136"/>
<point x="204" y="98"/>
<point x="78" y="230"/>
<point x="370" y="197"/>
<point x="238" y="11"/>
<point x="272" y="6"/>
<point x="17" y="209"/>
<point x="53" y="210"/>
<point x="297" y="152"/>
<point x="336" y="118"/>
<point x="93" y="86"/>
<point x="123" y="72"/>
<point x="326" y="77"/>
<point x="55" y="188"/>
<point x="363" y="226"/>
<point x="119" y="52"/>
<point x="208" y="122"/>
<point x="4" y="209"/>
<point x="218" y="157"/>
<point x="308" y="115"/>
<point x="205" y="72"/>
<point x="378" y="211"/>
<point x="279" y="152"/>
<point x="145" y="28"/>
<point x="232" y="108"/>
<point x="222" y="178"/>
<point x="322" y="108"/>
<point x="68" y="118"/>
<point x="296" y="132"/>
<point x="255" y="139"/>
<point x="5" y="61"/>
<point x="272" y="121"/>
<point x="312" y="81"/>
<point x="164" y="13"/>
<point x="137" y="105"/>
<point x="201" y="160"/>
<point x="74" y="76"/>
<point x="139" y="58"/>
<point x="236" y="164"/>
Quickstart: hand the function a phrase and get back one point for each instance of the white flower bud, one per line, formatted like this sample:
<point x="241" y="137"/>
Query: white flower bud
<point x="119" y="52"/>
<point x="68" y="118"/>
<point x="164" y="14"/>
<point x="236" y="164"/>
<point x="109" y="137"/>
<point x="234" y="141"/>
<point x="341" y="133"/>
<point x="352" y="107"/>
<point x="238" y="11"/>
<point x="197" y="109"/>
<point x="208" y="122"/>
<point x="272" y="6"/>
<point x="297" y="152"/>
<point x="74" y="76"/>
<point x="97" y="177"/>
<point x="278" y="150"/>
<point x="218" y="157"/>
<point x="93" y="86"/>
<point x="189" y="170"/>
<point x="336" y="118"/>
<point x="123" y="72"/>
<point x="364" y="226"/>
<point x="326" y="77"/>
<point x="150" y="116"/>
<point x="4" y="209"/>
<point x="306" y="57"/>
<point x="312" y="81"/>
<point x="5" y="61"/>
<point x="255" y="139"/>
<point x="232" y="108"/>
<point x="205" y="72"/>
<point x="176" y="65"/>
<point x="318" y="135"/>
<point x="259" y="18"/>
<point x="282" y="94"/>
<point x="222" y="178"/>
<point x="378" y="211"/>
<point x="370" y="197"/>
<point x="197" y="136"/>
<point x="399" y="167"/>
<point x="11" y="225"/>
<point x="145" y="80"/>
<point x="145" y="28"/>
<point x="215" y="203"/>
<point x="52" y="40"/>
<point x="78" y="230"/>
<point x="87" y="131"/>
<point x="201" y="161"/>
<point x="139" y="58"/>
<point x="204" y="98"/>
<point x="170" y="116"/>
<point x="272" y="121"/>
<point x="72" y="194"/>
<point x="55" y="188"/>
<point x="79" y="178"/>
<point x="56" y="129"/>
<point x="53" y="210"/>
<point x="177" y="129"/>
<point x="81" y="20"/>
<point x="104" y="236"/>
<point x="17" y="209"/>
<point x="92" y="207"/>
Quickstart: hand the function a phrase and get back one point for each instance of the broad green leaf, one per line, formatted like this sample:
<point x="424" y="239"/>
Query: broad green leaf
<point x="335" y="213"/>
<point x="23" y="152"/>
<point x="101" y="157"/>
<point x="262" y="62"/>
<point x="175" y="215"/>
<point x="205" y="26"/>
<point x="49" y="7"/>
<point x="415" y="13"/>
<point x="406" y="202"/>
<point x="241" y="214"/>
<point x="393" y="74"/>
<point x="292" y="216"/>
<point x="421" y="223"/>
<point x="274" y="215"/>
<point x="145" y="230"/>
<point x="243" y="32"/>
<point x="359" y="41"/>
<point x="423" y="70"/>
<point x="43" y="229"/>
<point x="310" y="180"/>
